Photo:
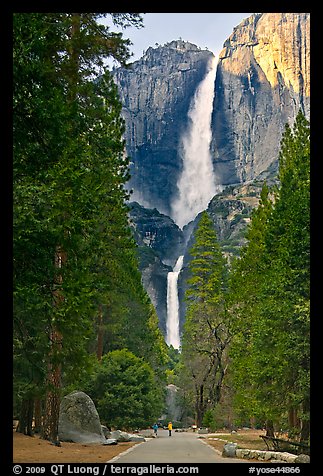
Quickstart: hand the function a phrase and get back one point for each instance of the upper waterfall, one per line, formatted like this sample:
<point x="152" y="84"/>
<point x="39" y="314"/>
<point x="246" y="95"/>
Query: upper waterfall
<point x="196" y="184"/>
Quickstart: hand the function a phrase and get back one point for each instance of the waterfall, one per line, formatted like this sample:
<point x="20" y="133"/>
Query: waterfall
<point x="172" y="324"/>
<point x="196" y="185"/>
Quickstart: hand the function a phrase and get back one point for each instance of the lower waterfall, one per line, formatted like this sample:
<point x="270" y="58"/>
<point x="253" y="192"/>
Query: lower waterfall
<point x="172" y="324"/>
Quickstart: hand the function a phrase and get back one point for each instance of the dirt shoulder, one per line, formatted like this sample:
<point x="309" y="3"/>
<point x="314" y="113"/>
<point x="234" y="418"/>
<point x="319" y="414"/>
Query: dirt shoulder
<point x="27" y="449"/>
<point x="248" y="439"/>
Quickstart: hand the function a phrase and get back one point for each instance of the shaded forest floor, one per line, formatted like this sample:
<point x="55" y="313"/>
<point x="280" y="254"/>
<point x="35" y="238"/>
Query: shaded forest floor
<point x="27" y="449"/>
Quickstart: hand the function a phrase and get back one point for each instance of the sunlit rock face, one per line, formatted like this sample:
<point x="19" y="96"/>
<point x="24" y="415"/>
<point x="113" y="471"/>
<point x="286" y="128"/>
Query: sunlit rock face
<point x="263" y="78"/>
<point x="156" y="92"/>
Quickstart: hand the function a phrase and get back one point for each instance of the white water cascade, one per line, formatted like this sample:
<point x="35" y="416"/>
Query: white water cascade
<point x="196" y="185"/>
<point x="172" y="324"/>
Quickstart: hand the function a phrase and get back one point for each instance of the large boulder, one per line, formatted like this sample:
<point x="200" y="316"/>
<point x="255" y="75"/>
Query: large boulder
<point x="79" y="420"/>
<point x="122" y="436"/>
<point x="229" y="450"/>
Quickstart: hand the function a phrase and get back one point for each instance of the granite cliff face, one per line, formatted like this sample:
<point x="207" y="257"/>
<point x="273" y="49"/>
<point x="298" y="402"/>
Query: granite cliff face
<point x="159" y="241"/>
<point x="157" y="231"/>
<point x="262" y="81"/>
<point x="156" y="92"/>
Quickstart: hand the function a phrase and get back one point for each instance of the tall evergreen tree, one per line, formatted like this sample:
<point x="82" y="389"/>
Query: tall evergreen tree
<point x="287" y="291"/>
<point x="70" y="218"/>
<point x="270" y="292"/>
<point x="206" y="335"/>
<point x="245" y="284"/>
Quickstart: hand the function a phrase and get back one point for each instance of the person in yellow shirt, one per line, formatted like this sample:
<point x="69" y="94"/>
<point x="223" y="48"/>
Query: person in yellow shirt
<point x="170" y="427"/>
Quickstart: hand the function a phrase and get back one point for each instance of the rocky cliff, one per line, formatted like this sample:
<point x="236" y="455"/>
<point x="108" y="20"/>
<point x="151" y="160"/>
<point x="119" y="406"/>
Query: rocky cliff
<point x="262" y="80"/>
<point x="160" y="241"/>
<point x="156" y="92"/>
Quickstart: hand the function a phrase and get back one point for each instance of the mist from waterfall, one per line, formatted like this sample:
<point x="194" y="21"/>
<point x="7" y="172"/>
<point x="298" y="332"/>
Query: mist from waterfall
<point x="196" y="184"/>
<point x="172" y="324"/>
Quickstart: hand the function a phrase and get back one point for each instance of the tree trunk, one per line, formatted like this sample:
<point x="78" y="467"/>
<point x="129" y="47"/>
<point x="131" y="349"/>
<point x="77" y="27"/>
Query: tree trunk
<point x="26" y="417"/>
<point x="270" y="428"/>
<point x="52" y="403"/>
<point x="292" y="417"/>
<point x="38" y="415"/>
<point x="199" y="405"/>
<point x="100" y="334"/>
<point x="305" y="423"/>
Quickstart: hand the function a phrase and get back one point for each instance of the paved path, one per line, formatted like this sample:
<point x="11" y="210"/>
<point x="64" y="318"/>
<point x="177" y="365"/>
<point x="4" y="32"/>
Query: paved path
<point x="183" y="447"/>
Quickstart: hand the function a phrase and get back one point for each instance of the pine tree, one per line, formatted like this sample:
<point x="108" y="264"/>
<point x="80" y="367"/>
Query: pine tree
<point x="270" y="296"/>
<point x="287" y="291"/>
<point x="245" y="283"/>
<point x="206" y="335"/>
<point x="69" y="176"/>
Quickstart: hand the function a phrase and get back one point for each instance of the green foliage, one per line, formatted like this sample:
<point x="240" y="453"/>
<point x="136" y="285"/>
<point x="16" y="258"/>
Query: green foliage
<point x="69" y="171"/>
<point x="208" y="420"/>
<point x="205" y="336"/>
<point x="75" y="260"/>
<point x="125" y="392"/>
<point x="270" y="293"/>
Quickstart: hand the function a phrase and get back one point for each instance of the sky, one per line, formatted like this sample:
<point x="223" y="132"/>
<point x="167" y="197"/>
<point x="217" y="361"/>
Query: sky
<point x="206" y="30"/>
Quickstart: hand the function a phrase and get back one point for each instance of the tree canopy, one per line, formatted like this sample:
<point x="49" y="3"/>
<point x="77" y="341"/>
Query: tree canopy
<point x="205" y="335"/>
<point x="77" y="287"/>
<point x="270" y="295"/>
<point x="125" y="392"/>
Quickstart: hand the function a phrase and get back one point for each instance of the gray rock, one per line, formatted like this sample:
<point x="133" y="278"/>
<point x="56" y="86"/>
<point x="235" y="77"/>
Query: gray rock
<point x="173" y="409"/>
<point x="203" y="431"/>
<point x="79" y="421"/>
<point x="106" y="431"/>
<point x="262" y="80"/>
<point x="229" y="450"/>
<point x="147" y="433"/>
<point x="156" y="92"/>
<point x="110" y="441"/>
<point x="120" y="436"/>
<point x="302" y="459"/>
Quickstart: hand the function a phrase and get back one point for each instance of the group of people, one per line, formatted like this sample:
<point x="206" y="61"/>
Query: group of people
<point x="169" y="427"/>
